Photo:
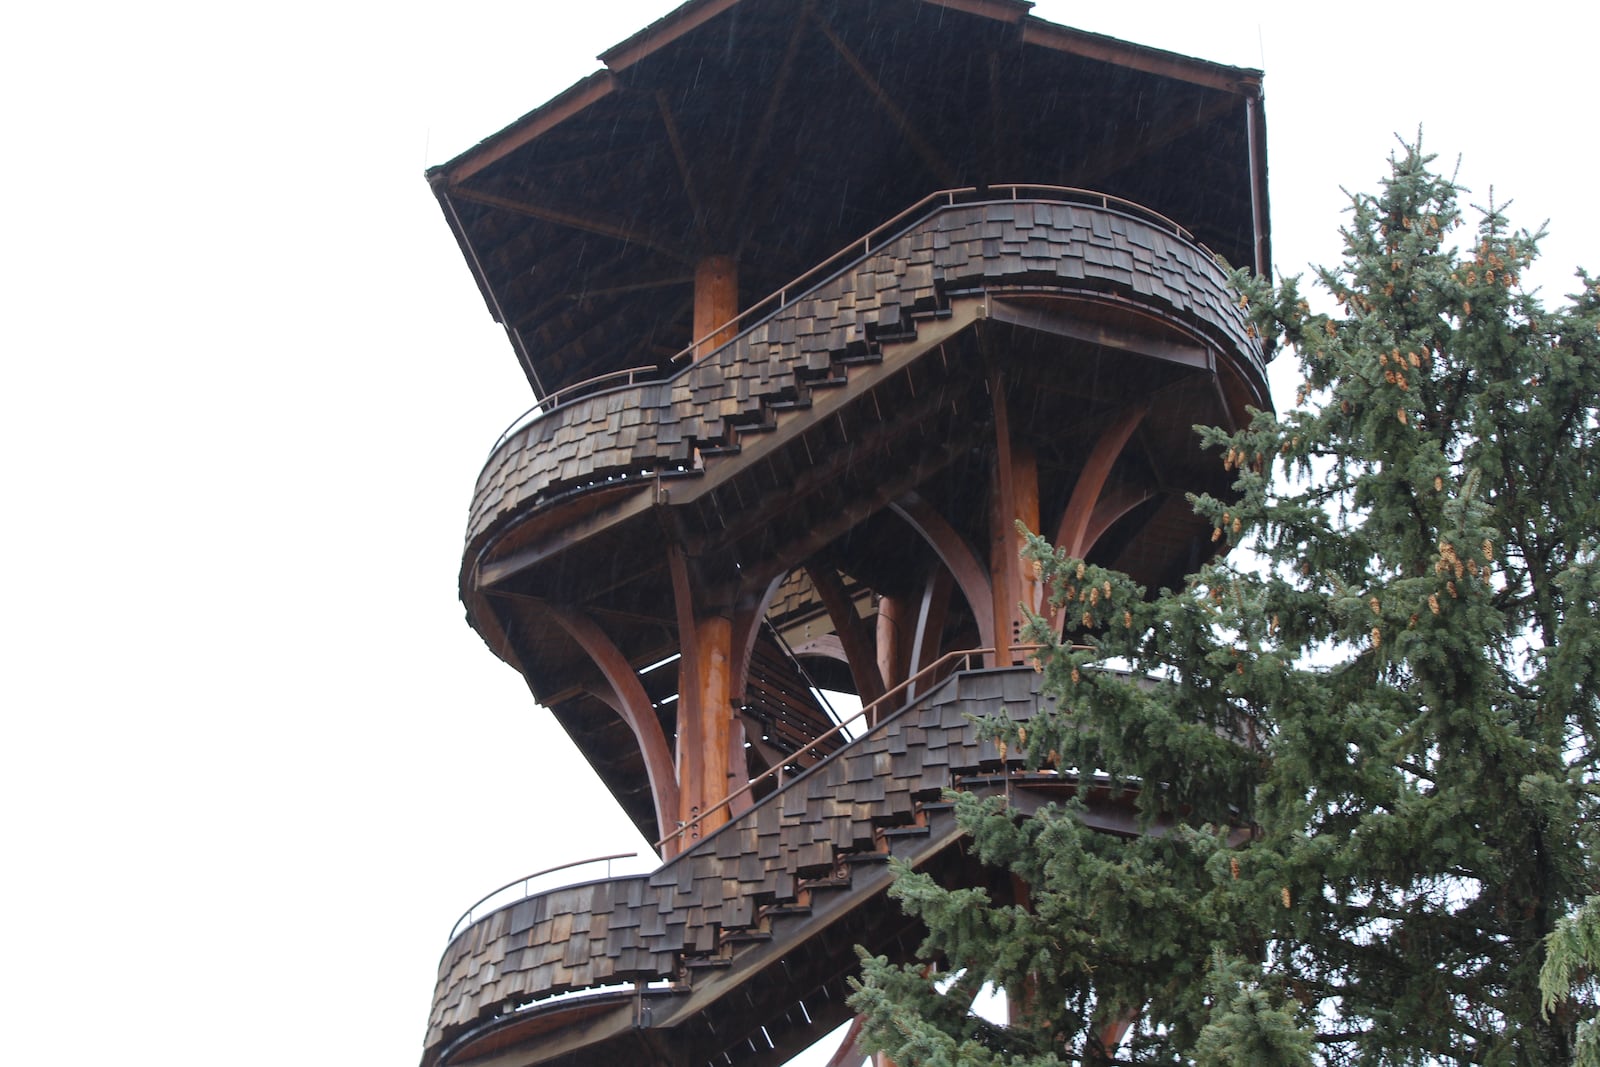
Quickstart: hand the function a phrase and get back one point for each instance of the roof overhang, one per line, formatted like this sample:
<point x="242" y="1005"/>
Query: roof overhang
<point x="780" y="130"/>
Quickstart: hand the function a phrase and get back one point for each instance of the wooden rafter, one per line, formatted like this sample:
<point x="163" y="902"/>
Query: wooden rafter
<point x="685" y="169"/>
<point x="1134" y="144"/>
<point x="930" y="155"/>
<point x="769" y="117"/>
<point x="567" y="218"/>
<point x="574" y="101"/>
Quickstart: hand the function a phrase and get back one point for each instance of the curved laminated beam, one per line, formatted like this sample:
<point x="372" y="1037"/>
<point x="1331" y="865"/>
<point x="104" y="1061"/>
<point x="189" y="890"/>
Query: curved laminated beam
<point x="1111" y="507"/>
<point x="633" y="704"/>
<point x="747" y="622"/>
<point x="953" y="551"/>
<point x="932" y="609"/>
<point x="1072" y="533"/>
<point x="848" y="1054"/>
<point x="851" y="630"/>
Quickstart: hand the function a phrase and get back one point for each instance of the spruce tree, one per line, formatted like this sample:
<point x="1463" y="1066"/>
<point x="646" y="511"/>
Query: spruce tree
<point x="1371" y="742"/>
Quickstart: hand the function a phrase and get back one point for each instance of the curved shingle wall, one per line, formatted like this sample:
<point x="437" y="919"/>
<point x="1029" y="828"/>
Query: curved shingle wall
<point x="641" y="927"/>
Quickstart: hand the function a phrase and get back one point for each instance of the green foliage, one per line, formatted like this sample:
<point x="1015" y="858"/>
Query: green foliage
<point x="1370" y="751"/>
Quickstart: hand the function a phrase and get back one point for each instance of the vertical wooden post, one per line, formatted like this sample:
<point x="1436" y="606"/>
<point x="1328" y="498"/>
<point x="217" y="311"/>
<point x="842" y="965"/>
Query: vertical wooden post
<point x="892" y="646"/>
<point x="1015" y="499"/>
<point x="716" y="302"/>
<point x="705" y="725"/>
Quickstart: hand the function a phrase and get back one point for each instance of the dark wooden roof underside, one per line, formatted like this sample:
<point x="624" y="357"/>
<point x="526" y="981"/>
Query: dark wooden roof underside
<point x="776" y="131"/>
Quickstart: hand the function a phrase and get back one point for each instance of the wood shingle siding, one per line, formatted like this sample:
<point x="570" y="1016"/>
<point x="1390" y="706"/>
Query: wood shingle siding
<point x="957" y="253"/>
<point x="705" y="901"/>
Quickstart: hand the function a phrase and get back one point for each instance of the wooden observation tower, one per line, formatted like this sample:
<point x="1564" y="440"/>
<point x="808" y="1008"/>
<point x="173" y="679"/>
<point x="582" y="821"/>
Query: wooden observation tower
<point x="817" y="300"/>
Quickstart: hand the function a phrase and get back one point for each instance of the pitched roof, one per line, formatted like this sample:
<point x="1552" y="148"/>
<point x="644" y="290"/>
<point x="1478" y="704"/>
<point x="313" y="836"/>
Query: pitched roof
<point x="781" y="130"/>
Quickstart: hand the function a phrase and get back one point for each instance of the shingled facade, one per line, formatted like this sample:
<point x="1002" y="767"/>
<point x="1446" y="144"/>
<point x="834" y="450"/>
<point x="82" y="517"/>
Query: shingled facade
<point x="793" y="392"/>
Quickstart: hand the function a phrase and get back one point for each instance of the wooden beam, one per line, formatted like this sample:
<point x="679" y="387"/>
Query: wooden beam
<point x="971" y="577"/>
<point x="716" y="303"/>
<point x="850" y="628"/>
<point x="1007" y="11"/>
<point x="705" y="706"/>
<point x="685" y="170"/>
<point x="579" y="97"/>
<point x="932" y="609"/>
<point x="662" y="32"/>
<point x="1072" y="532"/>
<point x="892" y="640"/>
<point x="1059" y="323"/>
<point x="632" y="704"/>
<point x="930" y="156"/>
<point x="566" y="218"/>
<point x="769" y="116"/>
<point x="1014" y="499"/>
<point x="1240" y="80"/>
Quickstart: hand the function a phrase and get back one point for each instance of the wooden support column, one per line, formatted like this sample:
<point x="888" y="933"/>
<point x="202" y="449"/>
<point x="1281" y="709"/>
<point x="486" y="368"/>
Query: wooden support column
<point x="716" y="302"/>
<point x="893" y="619"/>
<point x="1015" y="499"/>
<point x="705" y="725"/>
<point x="706" y="672"/>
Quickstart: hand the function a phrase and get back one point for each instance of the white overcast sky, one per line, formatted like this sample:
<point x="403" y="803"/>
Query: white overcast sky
<point x="254" y="761"/>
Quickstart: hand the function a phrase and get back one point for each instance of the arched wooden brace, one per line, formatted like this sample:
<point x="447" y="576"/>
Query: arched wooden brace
<point x="851" y="630"/>
<point x="1073" y="533"/>
<point x="932" y="609"/>
<point x="633" y="704"/>
<point x="1108" y="509"/>
<point x="957" y="556"/>
<point x="827" y="646"/>
<point x="1089" y="511"/>
<point x="747" y="622"/>
<point x="847" y="1054"/>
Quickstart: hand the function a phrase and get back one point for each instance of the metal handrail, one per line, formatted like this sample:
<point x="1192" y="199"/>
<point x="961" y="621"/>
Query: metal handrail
<point x="467" y="916"/>
<point x="869" y="710"/>
<point x="866" y="709"/>
<point x="831" y="266"/>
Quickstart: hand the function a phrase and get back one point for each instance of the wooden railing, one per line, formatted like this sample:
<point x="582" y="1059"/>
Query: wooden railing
<point x="868" y="711"/>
